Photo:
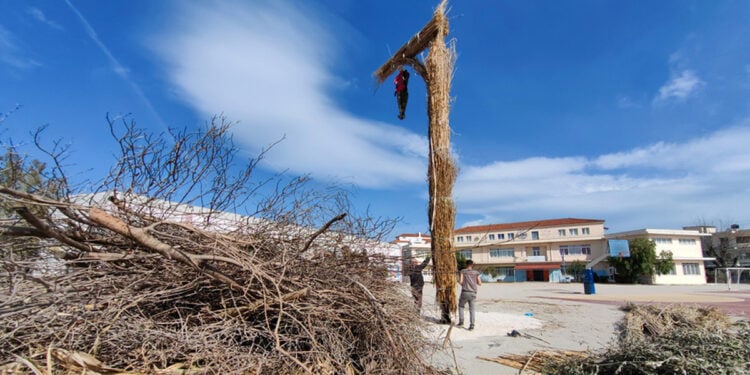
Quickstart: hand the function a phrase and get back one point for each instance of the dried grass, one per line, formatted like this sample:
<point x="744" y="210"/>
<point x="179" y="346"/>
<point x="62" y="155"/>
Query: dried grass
<point x="441" y="170"/>
<point x="654" y="340"/>
<point x="435" y="29"/>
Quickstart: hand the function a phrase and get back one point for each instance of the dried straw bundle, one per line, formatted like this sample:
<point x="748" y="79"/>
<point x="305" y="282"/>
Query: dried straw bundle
<point x="441" y="170"/>
<point x="436" y="28"/>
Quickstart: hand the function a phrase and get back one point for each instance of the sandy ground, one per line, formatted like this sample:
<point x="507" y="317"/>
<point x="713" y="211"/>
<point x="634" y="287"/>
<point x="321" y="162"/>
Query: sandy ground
<point x="553" y="316"/>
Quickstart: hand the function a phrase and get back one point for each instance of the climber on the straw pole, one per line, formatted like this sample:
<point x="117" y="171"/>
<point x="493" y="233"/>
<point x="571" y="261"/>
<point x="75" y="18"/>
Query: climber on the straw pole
<point x="402" y="91"/>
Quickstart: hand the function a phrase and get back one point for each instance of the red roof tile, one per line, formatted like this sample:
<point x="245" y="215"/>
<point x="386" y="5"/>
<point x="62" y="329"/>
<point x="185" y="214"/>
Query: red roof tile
<point x="525" y="225"/>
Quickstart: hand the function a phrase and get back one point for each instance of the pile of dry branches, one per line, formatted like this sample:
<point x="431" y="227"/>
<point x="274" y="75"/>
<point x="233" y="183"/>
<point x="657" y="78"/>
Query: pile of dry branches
<point x="121" y="281"/>
<point x="655" y="340"/>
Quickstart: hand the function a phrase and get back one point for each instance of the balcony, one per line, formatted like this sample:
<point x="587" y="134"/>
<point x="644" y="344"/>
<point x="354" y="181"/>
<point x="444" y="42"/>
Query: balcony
<point x="536" y="258"/>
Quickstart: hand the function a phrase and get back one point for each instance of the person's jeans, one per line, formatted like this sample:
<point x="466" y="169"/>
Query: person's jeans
<point x="402" y="98"/>
<point x="466" y="297"/>
<point x="417" y="293"/>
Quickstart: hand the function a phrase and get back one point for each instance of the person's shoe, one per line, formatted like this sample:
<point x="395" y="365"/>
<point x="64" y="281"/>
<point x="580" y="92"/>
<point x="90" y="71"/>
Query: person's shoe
<point x="400" y="116"/>
<point x="471" y="327"/>
<point x="460" y="324"/>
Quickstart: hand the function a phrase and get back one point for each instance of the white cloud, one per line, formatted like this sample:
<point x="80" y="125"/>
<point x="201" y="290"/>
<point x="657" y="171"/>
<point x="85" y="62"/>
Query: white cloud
<point x="11" y="55"/>
<point x="626" y="102"/>
<point x="268" y="65"/>
<point x="680" y="87"/>
<point x="39" y="16"/>
<point x="660" y="185"/>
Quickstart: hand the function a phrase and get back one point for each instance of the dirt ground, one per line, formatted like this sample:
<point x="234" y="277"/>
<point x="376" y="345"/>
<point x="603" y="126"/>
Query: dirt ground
<point x="551" y="316"/>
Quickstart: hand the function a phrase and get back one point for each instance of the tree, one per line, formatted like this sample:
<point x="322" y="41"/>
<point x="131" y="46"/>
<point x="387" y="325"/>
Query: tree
<point x="460" y="261"/>
<point x="723" y="251"/>
<point x="576" y="268"/>
<point x="24" y="175"/>
<point x="642" y="263"/>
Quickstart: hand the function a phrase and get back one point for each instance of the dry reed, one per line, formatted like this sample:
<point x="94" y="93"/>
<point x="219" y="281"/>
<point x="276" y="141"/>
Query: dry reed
<point x="441" y="170"/>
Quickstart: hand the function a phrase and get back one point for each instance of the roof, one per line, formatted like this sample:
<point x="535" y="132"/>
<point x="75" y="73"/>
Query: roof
<point x="413" y="235"/>
<point x="657" y="232"/>
<point x="525" y="225"/>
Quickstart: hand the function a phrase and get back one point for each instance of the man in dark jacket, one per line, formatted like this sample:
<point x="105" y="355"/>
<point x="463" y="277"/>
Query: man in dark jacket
<point x="417" y="280"/>
<point x="402" y="91"/>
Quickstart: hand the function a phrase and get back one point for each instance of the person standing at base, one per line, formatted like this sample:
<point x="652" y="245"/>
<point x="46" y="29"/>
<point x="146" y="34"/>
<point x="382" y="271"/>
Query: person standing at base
<point x="402" y="91"/>
<point x="417" y="280"/>
<point x="470" y="281"/>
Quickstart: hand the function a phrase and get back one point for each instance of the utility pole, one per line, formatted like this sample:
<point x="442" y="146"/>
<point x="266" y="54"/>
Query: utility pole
<point x="437" y="73"/>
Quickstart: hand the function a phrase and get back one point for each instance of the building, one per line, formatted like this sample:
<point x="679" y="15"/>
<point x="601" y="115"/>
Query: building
<point x="532" y="250"/>
<point x="416" y="246"/>
<point x="736" y="242"/>
<point x="687" y="253"/>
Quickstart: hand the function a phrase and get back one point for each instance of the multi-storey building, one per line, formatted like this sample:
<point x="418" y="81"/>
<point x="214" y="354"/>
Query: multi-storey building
<point x="532" y="250"/>
<point x="546" y="250"/>
<point x="687" y="253"/>
<point x="417" y="246"/>
<point x="736" y="242"/>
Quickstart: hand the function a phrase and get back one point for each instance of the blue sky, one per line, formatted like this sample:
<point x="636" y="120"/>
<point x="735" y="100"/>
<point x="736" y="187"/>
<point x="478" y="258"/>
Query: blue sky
<point x="633" y="112"/>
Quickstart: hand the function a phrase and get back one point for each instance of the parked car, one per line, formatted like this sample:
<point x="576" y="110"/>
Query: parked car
<point x="566" y="278"/>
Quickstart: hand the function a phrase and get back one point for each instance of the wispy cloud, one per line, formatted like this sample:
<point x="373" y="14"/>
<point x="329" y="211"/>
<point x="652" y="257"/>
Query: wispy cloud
<point x="11" y="54"/>
<point x="680" y="87"/>
<point x="626" y="102"/>
<point x="269" y="65"/>
<point x="116" y="66"/>
<point x="41" y="17"/>
<point x="662" y="185"/>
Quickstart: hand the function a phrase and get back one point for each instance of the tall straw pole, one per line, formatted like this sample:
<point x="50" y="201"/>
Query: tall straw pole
<point x="441" y="171"/>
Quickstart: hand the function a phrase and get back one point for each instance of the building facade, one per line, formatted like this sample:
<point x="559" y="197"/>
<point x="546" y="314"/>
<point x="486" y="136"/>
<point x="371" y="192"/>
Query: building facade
<point x="736" y="242"/>
<point x="416" y="246"/>
<point x="687" y="253"/>
<point x="539" y="250"/>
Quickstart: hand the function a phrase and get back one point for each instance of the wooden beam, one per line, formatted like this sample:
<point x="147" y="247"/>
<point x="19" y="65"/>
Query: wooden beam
<point x="408" y="52"/>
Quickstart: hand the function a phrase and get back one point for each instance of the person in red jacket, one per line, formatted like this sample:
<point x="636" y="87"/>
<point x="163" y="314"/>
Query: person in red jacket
<point x="402" y="91"/>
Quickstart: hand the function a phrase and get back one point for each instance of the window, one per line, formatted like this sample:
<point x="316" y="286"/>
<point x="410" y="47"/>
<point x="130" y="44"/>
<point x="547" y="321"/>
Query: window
<point x="504" y="271"/>
<point x="673" y="271"/>
<point x="460" y="239"/>
<point x="536" y="251"/>
<point x="561" y="232"/>
<point x="500" y="236"/>
<point x="690" y="269"/>
<point x="662" y="240"/>
<point x="534" y="235"/>
<point x="491" y="236"/>
<point x="687" y="241"/>
<point x="465" y="253"/>
<point x="510" y="236"/>
<point x="476" y="238"/>
<point x="573" y="231"/>
<point x="585" y="231"/>
<point x="501" y="253"/>
<point x="575" y="249"/>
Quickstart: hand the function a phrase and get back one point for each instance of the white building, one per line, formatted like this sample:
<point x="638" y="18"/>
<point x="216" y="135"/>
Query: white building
<point x="417" y="246"/>
<point x="686" y="249"/>
<point x="532" y="250"/>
